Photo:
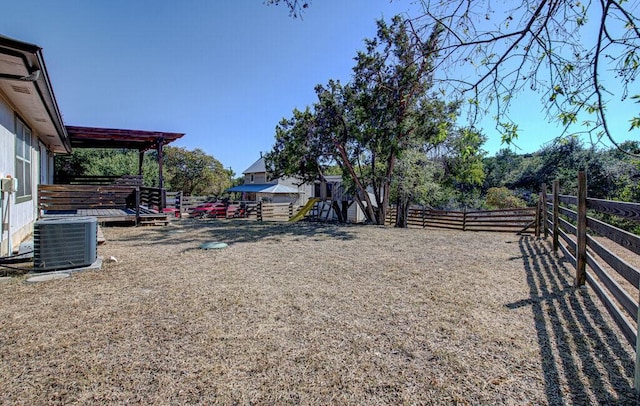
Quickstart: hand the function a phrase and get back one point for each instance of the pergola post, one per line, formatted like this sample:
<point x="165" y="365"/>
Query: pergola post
<point x="93" y="137"/>
<point x="140" y="162"/>
<point x="160" y="150"/>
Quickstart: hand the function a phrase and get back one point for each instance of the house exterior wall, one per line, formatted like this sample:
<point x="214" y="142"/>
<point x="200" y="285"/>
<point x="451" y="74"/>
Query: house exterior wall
<point x="22" y="212"/>
<point x="355" y="213"/>
<point x="278" y="198"/>
<point x="7" y="138"/>
<point x="7" y="141"/>
<point x="305" y="191"/>
<point x="330" y="189"/>
<point x="258" y="178"/>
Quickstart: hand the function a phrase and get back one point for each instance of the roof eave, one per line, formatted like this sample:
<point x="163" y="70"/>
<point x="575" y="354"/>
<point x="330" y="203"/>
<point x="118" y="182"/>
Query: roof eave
<point x="32" y="54"/>
<point x="54" y="110"/>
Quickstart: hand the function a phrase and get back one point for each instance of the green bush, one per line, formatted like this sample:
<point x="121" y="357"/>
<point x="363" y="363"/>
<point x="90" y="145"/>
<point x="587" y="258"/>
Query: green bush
<point x="503" y="198"/>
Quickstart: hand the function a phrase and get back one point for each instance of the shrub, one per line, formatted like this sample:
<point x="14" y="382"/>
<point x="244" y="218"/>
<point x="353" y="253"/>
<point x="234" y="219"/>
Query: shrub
<point x="503" y="198"/>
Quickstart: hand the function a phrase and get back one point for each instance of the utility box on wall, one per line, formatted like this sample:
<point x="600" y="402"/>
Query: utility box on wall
<point x="8" y="185"/>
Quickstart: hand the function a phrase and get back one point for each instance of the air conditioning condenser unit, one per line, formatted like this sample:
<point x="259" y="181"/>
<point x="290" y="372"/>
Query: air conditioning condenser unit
<point x="65" y="243"/>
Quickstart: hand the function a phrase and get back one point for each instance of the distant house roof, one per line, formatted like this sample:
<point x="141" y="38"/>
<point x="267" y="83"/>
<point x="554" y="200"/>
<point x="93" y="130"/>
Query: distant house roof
<point x="279" y="189"/>
<point x="264" y="188"/>
<point x="25" y="81"/>
<point x="258" y="166"/>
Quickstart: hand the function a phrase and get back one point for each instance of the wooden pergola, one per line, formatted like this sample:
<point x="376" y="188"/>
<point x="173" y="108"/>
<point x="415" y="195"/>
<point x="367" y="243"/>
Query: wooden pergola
<point x="109" y="198"/>
<point x="92" y="137"/>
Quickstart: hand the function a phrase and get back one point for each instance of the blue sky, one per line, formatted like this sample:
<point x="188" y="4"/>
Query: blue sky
<point x="224" y="72"/>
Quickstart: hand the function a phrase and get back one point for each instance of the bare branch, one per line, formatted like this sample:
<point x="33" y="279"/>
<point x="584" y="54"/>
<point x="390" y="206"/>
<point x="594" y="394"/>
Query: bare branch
<point x="536" y="45"/>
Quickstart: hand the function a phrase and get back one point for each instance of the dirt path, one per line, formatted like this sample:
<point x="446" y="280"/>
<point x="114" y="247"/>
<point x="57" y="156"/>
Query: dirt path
<point x="312" y="314"/>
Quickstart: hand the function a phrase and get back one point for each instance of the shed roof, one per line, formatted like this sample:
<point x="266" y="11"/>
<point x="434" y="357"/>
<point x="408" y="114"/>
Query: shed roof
<point x="92" y="137"/>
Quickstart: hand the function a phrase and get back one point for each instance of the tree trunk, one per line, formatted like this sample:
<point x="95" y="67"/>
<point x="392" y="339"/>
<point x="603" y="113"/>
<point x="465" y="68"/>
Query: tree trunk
<point x="387" y="188"/>
<point x="338" y="212"/>
<point x="362" y="206"/>
<point x="361" y="192"/>
<point x="345" y="210"/>
<point x="402" y="213"/>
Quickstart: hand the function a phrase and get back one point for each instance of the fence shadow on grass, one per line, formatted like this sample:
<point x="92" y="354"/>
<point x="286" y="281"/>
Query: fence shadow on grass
<point x="583" y="357"/>
<point x="238" y="231"/>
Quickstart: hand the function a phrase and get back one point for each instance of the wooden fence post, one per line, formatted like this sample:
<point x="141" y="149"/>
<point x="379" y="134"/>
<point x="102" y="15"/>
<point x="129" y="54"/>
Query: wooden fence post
<point x="137" y="203"/>
<point x="545" y="227"/>
<point x="636" y="378"/>
<point x="464" y="219"/>
<point x="556" y="210"/>
<point x="581" y="234"/>
<point x="538" y="217"/>
<point x="424" y="210"/>
<point x="259" y="211"/>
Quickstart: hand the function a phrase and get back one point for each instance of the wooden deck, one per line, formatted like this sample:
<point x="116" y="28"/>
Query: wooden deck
<point x="118" y="203"/>
<point x="148" y="217"/>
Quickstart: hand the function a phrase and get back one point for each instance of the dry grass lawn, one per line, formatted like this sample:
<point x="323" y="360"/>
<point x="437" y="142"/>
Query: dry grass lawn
<point x="312" y="314"/>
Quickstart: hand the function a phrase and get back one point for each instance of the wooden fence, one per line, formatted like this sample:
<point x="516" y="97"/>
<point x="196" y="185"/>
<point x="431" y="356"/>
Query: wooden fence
<point x="274" y="211"/>
<point x="153" y="197"/>
<point x="603" y="255"/>
<point x="99" y="180"/>
<point x="172" y="200"/>
<point x="185" y="204"/>
<point x="504" y="220"/>
<point x="253" y="210"/>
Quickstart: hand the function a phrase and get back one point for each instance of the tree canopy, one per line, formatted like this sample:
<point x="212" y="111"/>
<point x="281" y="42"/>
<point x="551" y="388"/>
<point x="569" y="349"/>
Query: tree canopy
<point x="107" y="162"/>
<point x="192" y="172"/>
<point x="365" y="126"/>
<point x="579" y="56"/>
<point x="195" y="172"/>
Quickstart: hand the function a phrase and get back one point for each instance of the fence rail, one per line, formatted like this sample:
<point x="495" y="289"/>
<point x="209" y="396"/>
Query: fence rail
<point x="568" y="221"/>
<point x="253" y="210"/>
<point x="503" y="220"/>
<point x="99" y="180"/>
<point x="581" y="238"/>
<point x="186" y="204"/>
<point x="153" y="197"/>
<point x="274" y="211"/>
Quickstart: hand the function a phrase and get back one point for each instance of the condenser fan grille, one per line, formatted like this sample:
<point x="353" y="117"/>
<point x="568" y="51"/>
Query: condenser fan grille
<point x="64" y="243"/>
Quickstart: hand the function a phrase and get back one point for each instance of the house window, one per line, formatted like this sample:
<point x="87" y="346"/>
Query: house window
<point x="251" y="178"/>
<point x="23" y="160"/>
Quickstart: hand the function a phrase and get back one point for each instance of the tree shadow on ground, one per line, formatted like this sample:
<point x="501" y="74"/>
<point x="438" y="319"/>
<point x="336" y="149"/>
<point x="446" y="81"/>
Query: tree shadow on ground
<point x="240" y="231"/>
<point x="583" y="357"/>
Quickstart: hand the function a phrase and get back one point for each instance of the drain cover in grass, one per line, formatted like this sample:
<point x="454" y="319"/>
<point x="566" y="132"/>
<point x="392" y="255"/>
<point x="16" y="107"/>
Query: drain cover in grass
<point x="213" y="245"/>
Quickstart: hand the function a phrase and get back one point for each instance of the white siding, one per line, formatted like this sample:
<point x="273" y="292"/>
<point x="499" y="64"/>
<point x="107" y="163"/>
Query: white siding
<point x="7" y="139"/>
<point x="23" y="214"/>
<point x="258" y="178"/>
<point x="279" y="198"/>
<point x="355" y="213"/>
<point x="7" y="147"/>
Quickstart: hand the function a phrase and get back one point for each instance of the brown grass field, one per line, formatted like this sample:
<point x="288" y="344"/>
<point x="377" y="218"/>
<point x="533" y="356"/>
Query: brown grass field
<point x="312" y="314"/>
